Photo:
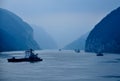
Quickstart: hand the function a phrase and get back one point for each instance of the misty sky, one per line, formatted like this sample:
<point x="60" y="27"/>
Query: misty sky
<point x="64" y="20"/>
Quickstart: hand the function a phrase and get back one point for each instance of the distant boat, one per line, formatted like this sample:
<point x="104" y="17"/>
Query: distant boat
<point x="29" y="57"/>
<point x="60" y="49"/>
<point x="99" y="54"/>
<point x="77" y="50"/>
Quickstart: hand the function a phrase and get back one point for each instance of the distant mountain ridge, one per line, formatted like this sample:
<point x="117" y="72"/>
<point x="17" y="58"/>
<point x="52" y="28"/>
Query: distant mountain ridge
<point x="78" y="44"/>
<point x="15" y="34"/>
<point x="43" y="38"/>
<point x="105" y="37"/>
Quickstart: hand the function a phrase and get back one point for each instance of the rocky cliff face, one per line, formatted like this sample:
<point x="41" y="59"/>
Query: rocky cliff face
<point x="15" y="34"/>
<point x="43" y="38"/>
<point x="105" y="37"/>
<point x="78" y="44"/>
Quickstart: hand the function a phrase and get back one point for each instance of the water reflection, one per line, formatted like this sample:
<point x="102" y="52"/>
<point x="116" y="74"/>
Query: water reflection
<point x="4" y="55"/>
<point x="117" y="60"/>
<point x="111" y="76"/>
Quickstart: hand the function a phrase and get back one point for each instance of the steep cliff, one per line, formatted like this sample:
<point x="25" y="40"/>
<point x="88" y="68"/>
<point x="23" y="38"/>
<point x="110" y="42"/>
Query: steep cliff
<point x="78" y="44"/>
<point x="105" y="37"/>
<point x="15" y="34"/>
<point x="43" y="38"/>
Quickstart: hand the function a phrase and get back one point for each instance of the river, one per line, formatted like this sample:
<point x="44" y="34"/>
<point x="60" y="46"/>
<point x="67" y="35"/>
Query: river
<point x="62" y="65"/>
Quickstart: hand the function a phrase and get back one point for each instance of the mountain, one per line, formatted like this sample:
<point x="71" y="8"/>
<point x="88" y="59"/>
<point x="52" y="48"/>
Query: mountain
<point x="43" y="38"/>
<point x="105" y="36"/>
<point x="15" y="34"/>
<point x="78" y="44"/>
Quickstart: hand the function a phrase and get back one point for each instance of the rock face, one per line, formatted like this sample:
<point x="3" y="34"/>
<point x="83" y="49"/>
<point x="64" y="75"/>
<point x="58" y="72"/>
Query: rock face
<point x="43" y="38"/>
<point x="105" y="37"/>
<point x="78" y="44"/>
<point x="15" y="34"/>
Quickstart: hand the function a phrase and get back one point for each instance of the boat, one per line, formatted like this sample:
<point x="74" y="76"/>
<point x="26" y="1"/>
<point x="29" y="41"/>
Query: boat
<point x="29" y="57"/>
<point x="99" y="54"/>
<point x="60" y="49"/>
<point x="77" y="50"/>
<point x="24" y="60"/>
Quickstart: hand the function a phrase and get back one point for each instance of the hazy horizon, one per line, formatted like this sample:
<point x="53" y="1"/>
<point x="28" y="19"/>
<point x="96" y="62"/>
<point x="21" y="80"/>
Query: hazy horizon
<point x="64" y="20"/>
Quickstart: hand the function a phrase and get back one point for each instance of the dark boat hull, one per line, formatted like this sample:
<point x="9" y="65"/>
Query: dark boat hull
<point x="24" y="60"/>
<point x="99" y="55"/>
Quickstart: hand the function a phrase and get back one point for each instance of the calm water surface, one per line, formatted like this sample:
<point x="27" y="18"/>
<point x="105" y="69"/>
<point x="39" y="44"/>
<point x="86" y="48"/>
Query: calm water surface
<point x="61" y="66"/>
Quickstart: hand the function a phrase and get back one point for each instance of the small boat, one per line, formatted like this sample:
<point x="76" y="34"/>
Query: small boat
<point x="77" y="50"/>
<point x="99" y="54"/>
<point x="29" y="57"/>
<point x="60" y="49"/>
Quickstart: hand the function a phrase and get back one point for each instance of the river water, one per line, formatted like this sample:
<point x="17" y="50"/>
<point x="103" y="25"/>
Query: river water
<point x="61" y="66"/>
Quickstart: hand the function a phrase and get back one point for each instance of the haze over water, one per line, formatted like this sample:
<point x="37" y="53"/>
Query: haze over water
<point x="64" y="20"/>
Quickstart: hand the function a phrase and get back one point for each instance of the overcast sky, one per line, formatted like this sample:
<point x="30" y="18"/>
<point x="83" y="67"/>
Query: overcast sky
<point x="64" y="20"/>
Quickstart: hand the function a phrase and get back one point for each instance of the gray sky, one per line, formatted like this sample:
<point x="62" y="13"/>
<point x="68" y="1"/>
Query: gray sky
<point x="64" y="20"/>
